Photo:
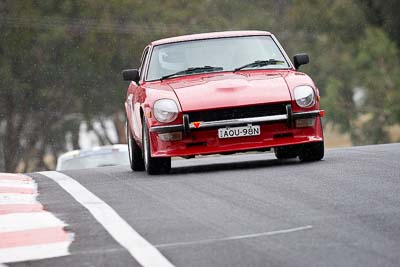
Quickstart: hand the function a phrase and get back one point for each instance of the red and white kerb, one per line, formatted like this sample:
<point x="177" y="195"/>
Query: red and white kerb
<point x="27" y="230"/>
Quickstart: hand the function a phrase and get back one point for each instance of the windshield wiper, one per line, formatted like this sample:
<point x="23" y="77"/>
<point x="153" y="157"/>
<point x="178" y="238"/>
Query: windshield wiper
<point x="193" y="70"/>
<point x="260" y="63"/>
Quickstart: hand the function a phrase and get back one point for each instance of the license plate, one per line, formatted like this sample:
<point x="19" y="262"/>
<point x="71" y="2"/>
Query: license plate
<point x="249" y="130"/>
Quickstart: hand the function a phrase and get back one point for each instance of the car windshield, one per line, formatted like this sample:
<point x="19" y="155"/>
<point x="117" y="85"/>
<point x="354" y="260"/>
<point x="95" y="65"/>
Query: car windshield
<point x="96" y="160"/>
<point x="228" y="53"/>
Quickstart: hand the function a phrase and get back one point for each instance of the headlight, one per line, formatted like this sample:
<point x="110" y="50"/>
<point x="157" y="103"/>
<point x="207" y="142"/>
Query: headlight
<point x="165" y="110"/>
<point x="304" y="96"/>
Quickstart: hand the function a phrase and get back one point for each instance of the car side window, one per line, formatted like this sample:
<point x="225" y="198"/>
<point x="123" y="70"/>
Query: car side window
<point x="143" y="61"/>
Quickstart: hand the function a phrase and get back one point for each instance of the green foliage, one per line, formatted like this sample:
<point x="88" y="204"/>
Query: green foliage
<point x="355" y="66"/>
<point x="378" y="74"/>
<point x="383" y="14"/>
<point x="60" y="61"/>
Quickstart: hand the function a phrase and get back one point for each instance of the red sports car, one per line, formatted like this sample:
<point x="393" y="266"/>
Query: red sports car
<point x="222" y="93"/>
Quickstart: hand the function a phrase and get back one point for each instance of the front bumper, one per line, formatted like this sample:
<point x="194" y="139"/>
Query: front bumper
<point x="186" y="127"/>
<point x="201" y="138"/>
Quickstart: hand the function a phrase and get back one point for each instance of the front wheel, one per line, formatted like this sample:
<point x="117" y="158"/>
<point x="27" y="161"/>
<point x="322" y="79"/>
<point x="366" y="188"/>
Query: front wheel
<point x="152" y="165"/>
<point x="135" y="153"/>
<point x="286" y="152"/>
<point x="312" y="151"/>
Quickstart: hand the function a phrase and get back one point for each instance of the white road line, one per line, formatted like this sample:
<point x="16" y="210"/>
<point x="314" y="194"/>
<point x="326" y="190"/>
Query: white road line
<point x="27" y="221"/>
<point x="145" y="253"/>
<point x="34" y="252"/>
<point x="17" y="198"/>
<point x="238" y="237"/>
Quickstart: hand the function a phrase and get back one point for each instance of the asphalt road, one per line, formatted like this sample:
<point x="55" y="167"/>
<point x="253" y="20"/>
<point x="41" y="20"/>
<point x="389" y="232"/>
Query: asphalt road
<point x="238" y="211"/>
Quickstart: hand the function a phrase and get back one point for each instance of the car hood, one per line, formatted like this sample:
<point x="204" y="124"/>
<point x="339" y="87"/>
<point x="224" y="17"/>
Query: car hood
<point x="230" y="89"/>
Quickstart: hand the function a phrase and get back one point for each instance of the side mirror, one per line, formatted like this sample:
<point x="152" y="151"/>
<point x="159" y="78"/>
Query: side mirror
<point x="300" y="59"/>
<point x="131" y="75"/>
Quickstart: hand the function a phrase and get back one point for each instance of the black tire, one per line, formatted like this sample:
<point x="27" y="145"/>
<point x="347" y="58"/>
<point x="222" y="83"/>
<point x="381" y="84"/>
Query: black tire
<point x="161" y="165"/>
<point x="286" y="152"/>
<point x="312" y="151"/>
<point x="135" y="153"/>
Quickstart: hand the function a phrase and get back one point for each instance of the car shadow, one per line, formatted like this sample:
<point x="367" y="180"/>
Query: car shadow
<point x="227" y="166"/>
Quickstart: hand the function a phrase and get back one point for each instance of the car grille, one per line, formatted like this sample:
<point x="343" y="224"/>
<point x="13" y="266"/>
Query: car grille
<point x="238" y="113"/>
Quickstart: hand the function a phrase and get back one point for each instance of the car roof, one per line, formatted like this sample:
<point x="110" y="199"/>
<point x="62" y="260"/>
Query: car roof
<point x="209" y="35"/>
<point x="98" y="150"/>
<point x="92" y="151"/>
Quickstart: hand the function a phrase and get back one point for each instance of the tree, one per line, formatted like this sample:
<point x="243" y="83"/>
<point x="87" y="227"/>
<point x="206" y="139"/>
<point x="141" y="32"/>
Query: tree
<point x="378" y="78"/>
<point x="352" y="64"/>
<point x="385" y="15"/>
<point x="60" y="62"/>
